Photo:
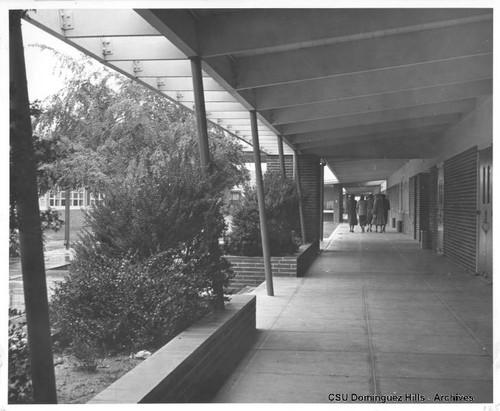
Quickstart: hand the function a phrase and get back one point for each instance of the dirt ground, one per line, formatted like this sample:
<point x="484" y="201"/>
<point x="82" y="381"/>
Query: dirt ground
<point x="76" y="386"/>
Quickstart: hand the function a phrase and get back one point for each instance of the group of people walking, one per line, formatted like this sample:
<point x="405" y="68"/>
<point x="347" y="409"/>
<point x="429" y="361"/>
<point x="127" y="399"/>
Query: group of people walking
<point x="372" y="211"/>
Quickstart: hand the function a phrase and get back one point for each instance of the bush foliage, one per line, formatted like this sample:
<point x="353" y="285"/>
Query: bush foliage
<point x="149" y="261"/>
<point x="20" y="388"/>
<point x="117" y="303"/>
<point x="281" y="206"/>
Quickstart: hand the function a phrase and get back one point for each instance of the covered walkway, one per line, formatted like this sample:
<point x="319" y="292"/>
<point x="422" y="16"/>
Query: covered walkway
<point x="374" y="315"/>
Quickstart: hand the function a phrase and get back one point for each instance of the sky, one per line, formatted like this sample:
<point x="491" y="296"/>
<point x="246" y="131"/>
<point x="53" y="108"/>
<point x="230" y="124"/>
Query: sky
<point x="42" y="81"/>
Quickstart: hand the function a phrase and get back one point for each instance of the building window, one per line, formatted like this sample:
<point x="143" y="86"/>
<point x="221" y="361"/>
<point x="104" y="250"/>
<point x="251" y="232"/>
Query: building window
<point x="96" y="198"/>
<point x="235" y="197"/>
<point x="76" y="198"/>
<point x="57" y="199"/>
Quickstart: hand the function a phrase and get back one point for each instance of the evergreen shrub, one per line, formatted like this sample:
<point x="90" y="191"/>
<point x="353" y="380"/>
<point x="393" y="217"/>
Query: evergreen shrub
<point x="117" y="303"/>
<point x="20" y="388"/>
<point x="281" y="207"/>
<point x="148" y="263"/>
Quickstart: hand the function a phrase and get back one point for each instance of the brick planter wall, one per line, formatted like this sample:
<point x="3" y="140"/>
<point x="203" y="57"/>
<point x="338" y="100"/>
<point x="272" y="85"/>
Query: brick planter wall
<point x="249" y="271"/>
<point x="192" y="366"/>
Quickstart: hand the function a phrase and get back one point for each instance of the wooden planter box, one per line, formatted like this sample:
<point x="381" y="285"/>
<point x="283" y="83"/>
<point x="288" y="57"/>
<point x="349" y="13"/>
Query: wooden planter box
<point x="249" y="271"/>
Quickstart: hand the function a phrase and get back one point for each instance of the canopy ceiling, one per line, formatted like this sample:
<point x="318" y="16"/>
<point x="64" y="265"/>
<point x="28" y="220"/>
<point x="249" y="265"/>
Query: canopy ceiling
<point x="366" y="90"/>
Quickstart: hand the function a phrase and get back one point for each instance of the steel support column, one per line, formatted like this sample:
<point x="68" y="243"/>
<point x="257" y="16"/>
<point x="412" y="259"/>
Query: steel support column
<point x="301" y="200"/>
<point x="282" y="156"/>
<point x="201" y="120"/>
<point x="321" y="199"/>
<point x="30" y="231"/>
<point x="67" y="216"/>
<point x="261" y="200"/>
<point x="201" y="114"/>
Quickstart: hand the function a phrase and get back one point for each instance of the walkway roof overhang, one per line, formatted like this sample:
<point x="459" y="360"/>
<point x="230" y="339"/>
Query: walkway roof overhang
<point x="365" y="90"/>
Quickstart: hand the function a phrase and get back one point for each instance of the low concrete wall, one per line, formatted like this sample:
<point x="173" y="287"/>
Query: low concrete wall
<point x="249" y="271"/>
<point x="192" y="366"/>
<point x="306" y="258"/>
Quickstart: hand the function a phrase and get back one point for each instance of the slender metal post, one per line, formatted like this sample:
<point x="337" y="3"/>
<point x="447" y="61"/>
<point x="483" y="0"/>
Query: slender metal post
<point x="321" y="200"/>
<point x="261" y="200"/>
<point x="201" y="114"/>
<point x="301" y="201"/>
<point x="67" y="216"/>
<point x="201" y="120"/>
<point x="30" y="231"/>
<point x="282" y="156"/>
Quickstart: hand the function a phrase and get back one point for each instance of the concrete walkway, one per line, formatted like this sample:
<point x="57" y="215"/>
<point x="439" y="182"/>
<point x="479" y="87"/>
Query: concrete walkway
<point x="375" y="315"/>
<point x="56" y="262"/>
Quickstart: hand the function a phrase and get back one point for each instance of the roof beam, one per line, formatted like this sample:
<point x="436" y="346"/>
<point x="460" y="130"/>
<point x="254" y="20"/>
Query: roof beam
<point x="210" y="96"/>
<point x="403" y="135"/>
<point x="375" y="82"/>
<point x="179" y="26"/>
<point x="157" y="68"/>
<point x="130" y="48"/>
<point x="359" y="131"/>
<point x="74" y="23"/>
<point x="364" y="55"/>
<point x="174" y="84"/>
<point x="386" y="101"/>
<point x="271" y="30"/>
<point x="426" y="147"/>
<point x="356" y="171"/>
<point x="377" y="117"/>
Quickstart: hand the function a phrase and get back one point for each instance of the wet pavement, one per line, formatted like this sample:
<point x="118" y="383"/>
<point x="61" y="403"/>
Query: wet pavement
<point x="56" y="263"/>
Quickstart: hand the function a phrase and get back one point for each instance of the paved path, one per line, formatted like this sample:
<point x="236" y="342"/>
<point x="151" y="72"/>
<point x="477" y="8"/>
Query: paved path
<point x="375" y="315"/>
<point x="56" y="260"/>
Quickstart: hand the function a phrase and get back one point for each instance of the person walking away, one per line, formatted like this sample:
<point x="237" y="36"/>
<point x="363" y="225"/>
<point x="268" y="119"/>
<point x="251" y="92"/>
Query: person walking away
<point x="387" y="207"/>
<point x="369" y="212"/>
<point x="361" y="209"/>
<point x="351" y="212"/>
<point x="378" y="213"/>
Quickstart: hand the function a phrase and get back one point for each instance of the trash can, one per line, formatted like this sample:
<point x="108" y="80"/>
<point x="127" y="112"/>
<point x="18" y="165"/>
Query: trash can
<point x="393" y="225"/>
<point x="400" y="226"/>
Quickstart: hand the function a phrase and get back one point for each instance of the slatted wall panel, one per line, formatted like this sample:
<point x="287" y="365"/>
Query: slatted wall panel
<point x="417" y="208"/>
<point x="337" y="203"/>
<point x="421" y="204"/>
<point x="392" y="194"/>
<point x="460" y="206"/>
<point x="433" y="201"/>
<point x="309" y="169"/>
<point x="412" y="214"/>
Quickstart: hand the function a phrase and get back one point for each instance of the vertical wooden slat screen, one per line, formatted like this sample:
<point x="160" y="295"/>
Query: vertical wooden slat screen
<point x="309" y="177"/>
<point x="421" y="204"/>
<point x="412" y="214"/>
<point x="433" y="201"/>
<point x="393" y="197"/>
<point x="460" y="208"/>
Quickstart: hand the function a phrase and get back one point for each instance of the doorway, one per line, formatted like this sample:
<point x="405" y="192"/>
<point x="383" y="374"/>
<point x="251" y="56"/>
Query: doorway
<point x="485" y="211"/>
<point x="440" y="209"/>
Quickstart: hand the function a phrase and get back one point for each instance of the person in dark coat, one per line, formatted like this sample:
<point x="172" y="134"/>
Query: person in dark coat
<point x="361" y="208"/>
<point x="378" y="213"/>
<point x="351" y="212"/>
<point x="387" y="207"/>
<point x="369" y="211"/>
